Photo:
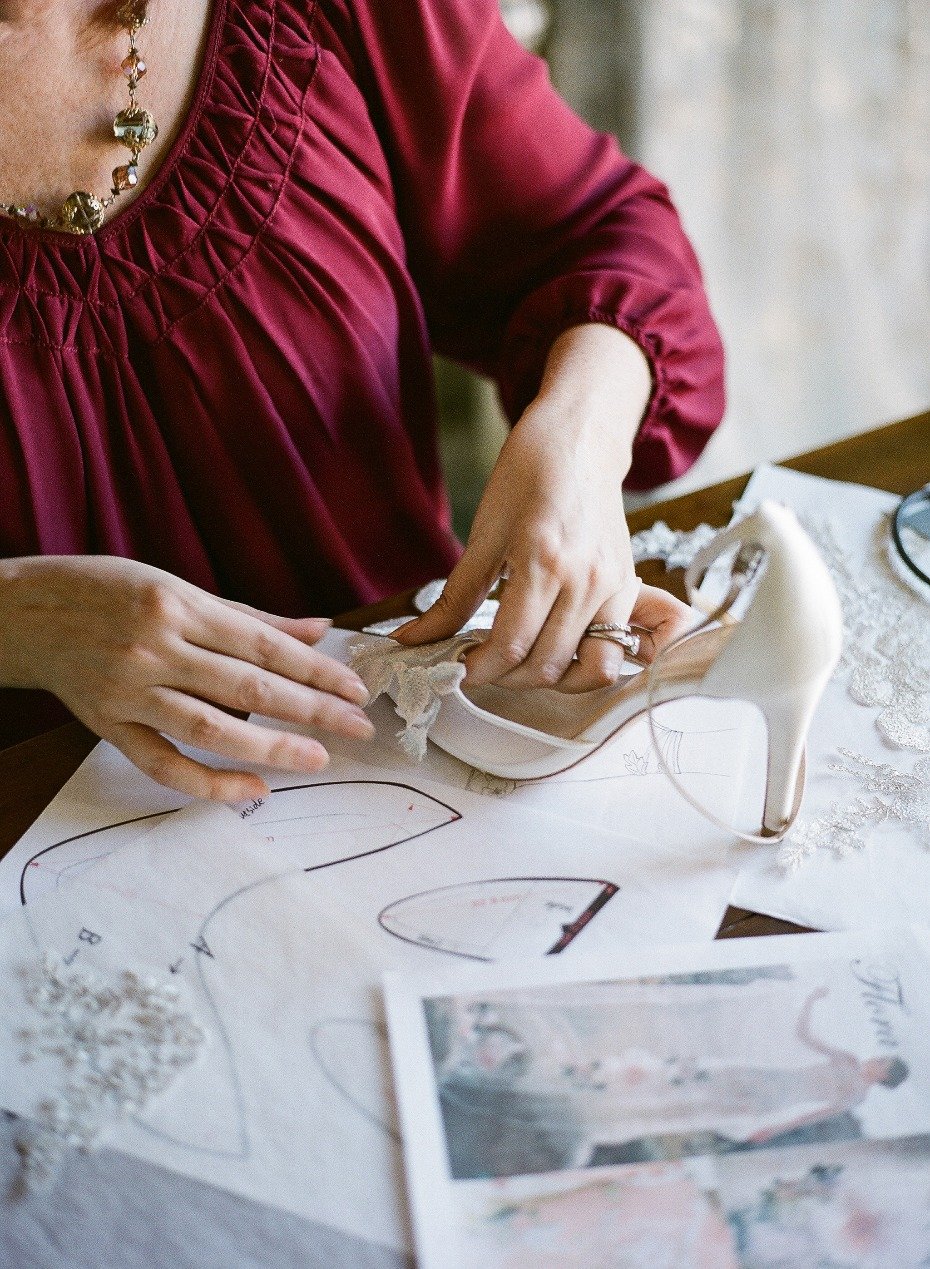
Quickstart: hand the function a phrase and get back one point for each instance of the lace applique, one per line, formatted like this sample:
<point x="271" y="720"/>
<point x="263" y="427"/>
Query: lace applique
<point x="416" y="678"/>
<point x="118" y="1041"/>
<point x="844" y="830"/>
<point x="886" y="642"/>
<point x="677" y="548"/>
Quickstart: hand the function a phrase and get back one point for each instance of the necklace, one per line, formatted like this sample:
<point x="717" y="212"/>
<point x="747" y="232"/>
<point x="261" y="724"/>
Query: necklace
<point x="82" y="213"/>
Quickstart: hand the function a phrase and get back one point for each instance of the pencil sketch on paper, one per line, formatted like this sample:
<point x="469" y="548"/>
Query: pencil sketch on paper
<point x="348" y="1053"/>
<point x="499" y="918"/>
<point x="685" y="752"/>
<point x="349" y="819"/>
<point x="318" y="827"/>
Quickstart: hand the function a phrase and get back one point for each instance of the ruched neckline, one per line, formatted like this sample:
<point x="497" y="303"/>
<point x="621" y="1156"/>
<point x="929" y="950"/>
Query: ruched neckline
<point x="202" y="89"/>
<point x="221" y="178"/>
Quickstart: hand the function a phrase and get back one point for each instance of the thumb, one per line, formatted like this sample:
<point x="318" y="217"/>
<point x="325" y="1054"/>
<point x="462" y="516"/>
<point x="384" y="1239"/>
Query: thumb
<point x="463" y="594"/>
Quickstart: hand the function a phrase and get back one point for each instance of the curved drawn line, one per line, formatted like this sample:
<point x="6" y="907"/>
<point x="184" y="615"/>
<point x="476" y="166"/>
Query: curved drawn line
<point x="608" y="890"/>
<point x="83" y="863"/>
<point x="334" y="1083"/>
<point x="649" y="775"/>
<point x="138" y="819"/>
<point x="290" y="788"/>
<point x="297" y="819"/>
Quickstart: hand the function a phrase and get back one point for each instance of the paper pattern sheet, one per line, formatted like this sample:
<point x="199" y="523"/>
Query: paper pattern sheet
<point x="679" y="866"/>
<point x="769" y="1104"/>
<point x="285" y="991"/>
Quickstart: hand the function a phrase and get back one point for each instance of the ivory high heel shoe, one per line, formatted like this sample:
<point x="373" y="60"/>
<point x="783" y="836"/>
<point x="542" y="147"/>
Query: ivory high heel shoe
<point x="779" y="656"/>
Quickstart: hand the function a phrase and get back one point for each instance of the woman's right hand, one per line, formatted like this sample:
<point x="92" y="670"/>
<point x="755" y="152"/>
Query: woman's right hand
<point x="139" y="655"/>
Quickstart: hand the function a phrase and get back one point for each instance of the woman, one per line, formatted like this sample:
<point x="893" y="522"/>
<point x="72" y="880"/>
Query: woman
<point x="225" y="388"/>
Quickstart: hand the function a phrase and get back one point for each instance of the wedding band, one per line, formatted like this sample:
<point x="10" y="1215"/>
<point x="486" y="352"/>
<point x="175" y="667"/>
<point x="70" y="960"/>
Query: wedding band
<point x="615" y="632"/>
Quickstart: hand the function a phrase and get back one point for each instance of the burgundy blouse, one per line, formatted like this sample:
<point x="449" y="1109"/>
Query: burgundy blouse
<point x="232" y="379"/>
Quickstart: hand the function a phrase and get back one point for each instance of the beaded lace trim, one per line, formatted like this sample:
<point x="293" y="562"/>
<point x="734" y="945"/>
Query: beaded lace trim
<point x="115" y="1042"/>
<point x="886" y="662"/>
<point x="845" y="830"/>
<point x="886" y="640"/>
<point x="676" y="548"/>
<point x="417" y="678"/>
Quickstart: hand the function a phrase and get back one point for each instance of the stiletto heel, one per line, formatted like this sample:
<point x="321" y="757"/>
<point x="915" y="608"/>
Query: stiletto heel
<point x="782" y="653"/>
<point x="787" y="727"/>
<point x="779" y="657"/>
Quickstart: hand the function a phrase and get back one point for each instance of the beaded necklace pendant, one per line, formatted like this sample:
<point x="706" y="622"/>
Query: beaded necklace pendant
<point x="81" y="212"/>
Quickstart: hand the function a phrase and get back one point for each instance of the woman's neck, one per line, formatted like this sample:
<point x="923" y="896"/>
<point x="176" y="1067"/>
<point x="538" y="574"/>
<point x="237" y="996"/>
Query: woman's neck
<point x="100" y="14"/>
<point x="68" y="53"/>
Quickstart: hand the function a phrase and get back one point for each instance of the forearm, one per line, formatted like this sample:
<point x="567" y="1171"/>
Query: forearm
<point x="597" y="383"/>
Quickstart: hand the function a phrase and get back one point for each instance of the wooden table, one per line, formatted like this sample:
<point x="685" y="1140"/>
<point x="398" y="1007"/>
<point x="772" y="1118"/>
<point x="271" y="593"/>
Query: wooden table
<point x="896" y="458"/>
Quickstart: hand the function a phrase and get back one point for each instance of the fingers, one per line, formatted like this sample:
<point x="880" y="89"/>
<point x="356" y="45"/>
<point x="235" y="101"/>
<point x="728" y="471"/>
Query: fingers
<point x="463" y="594"/>
<point x="204" y="726"/>
<point x="158" y="758"/>
<point x="659" y="618"/>
<point x="308" y="630"/>
<point x="526" y="604"/>
<point x="226" y="629"/>
<point x="540" y="631"/>
<point x="242" y="686"/>
<point x="538" y="641"/>
<point x="600" y="663"/>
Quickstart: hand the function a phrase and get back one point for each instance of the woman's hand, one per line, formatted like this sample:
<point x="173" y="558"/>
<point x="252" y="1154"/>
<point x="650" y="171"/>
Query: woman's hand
<point x="552" y="520"/>
<point x="139" y="655"/>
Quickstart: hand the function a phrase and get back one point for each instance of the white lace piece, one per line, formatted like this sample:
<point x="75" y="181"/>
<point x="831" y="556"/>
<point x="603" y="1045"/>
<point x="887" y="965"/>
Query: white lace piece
<point x="677" y="548"/>
<point x="886" y="645"/>
<point x="417" y="679"/>
<point x="845" y="829"/>
<point x="116" y="1042"/>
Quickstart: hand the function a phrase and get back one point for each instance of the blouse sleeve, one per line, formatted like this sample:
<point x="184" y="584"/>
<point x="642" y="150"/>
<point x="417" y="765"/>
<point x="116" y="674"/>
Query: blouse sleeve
<point x="521" y="221"/>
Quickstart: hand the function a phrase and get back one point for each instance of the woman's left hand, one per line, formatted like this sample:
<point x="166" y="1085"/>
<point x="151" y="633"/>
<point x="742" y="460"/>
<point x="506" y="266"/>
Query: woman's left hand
<point x="552" y="520"/>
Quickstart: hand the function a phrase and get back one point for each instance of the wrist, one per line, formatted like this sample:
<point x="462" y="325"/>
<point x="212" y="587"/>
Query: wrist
<point x="15" y="667"/>
<point x="597" y="384"/>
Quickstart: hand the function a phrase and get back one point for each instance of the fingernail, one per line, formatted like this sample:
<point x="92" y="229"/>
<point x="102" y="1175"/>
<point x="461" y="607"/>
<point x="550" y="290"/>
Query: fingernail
<point x="316" y="761"/>
<point x="359" y="724"/>
<point x="358" y="692"/>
